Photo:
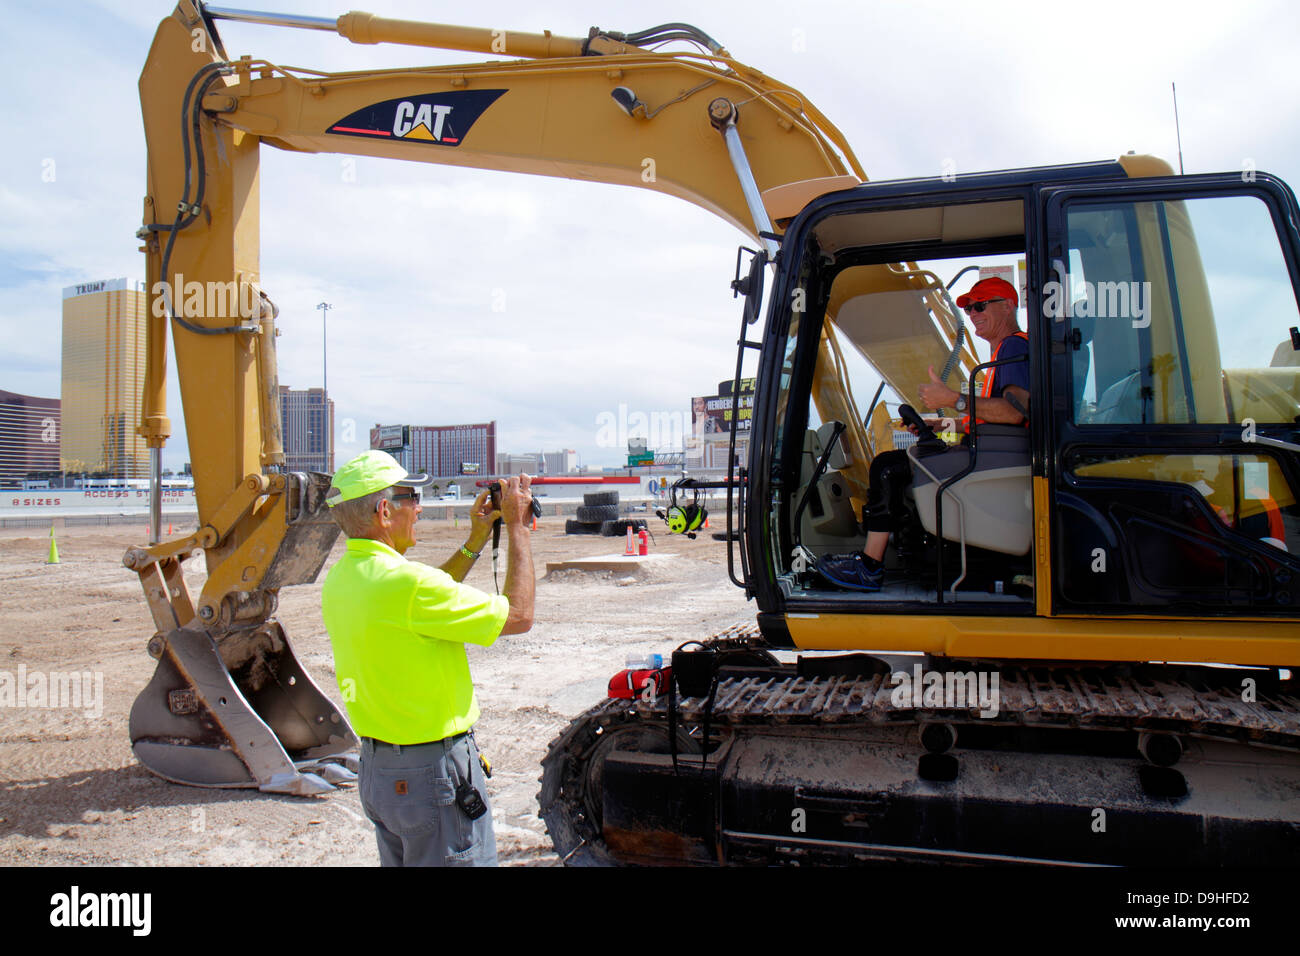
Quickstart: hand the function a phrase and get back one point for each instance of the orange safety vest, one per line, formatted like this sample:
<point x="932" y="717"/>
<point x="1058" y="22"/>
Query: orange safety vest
<point x="1276" y="529"/>
<point x="987" y="390"/>
<point x="1273" y="514"/>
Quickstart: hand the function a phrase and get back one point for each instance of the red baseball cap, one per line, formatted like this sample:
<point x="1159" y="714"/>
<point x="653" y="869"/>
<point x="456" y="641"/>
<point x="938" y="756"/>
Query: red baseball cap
<point x="990" y="288"/>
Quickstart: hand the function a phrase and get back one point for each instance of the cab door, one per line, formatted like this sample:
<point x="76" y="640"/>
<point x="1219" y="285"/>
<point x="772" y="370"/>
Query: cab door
<point x="1174" y="371"/>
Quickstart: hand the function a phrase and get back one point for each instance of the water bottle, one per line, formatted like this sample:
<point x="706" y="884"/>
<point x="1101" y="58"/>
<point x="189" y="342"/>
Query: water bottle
<point x="647" y="662"/>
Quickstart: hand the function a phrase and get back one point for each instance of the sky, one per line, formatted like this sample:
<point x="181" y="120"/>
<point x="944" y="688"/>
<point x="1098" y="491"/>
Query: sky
<point x="549" y="305"/>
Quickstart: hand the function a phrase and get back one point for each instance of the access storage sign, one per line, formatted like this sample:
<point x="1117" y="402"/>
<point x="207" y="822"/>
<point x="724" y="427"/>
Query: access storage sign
<point x="390" y="436"/>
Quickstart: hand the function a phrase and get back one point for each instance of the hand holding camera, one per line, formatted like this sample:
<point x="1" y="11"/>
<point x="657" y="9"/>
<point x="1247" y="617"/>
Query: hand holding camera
<point x="514" y="499"/>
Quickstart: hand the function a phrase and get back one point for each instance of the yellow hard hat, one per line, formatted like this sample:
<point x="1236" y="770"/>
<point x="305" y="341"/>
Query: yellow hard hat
<point x="370" y="471"/>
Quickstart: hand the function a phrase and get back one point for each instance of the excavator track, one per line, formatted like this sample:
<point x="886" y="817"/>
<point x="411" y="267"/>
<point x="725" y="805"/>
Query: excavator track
<point x="1080" y="764"/>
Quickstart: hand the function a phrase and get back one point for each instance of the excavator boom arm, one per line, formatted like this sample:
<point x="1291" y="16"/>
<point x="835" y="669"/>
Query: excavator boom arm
<point x="557" y="117"/>
<point x="701" y="126"/>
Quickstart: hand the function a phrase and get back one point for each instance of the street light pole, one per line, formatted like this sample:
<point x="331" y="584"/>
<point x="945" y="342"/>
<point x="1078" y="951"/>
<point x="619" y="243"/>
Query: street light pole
<point x="324" y="309"/>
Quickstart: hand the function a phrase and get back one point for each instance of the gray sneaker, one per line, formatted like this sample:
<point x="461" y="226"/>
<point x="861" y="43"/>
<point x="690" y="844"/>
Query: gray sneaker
<point x="850" y="571"/>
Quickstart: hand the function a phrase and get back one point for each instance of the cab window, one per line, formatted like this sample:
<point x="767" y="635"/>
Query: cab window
<point x="1180" y="313"/>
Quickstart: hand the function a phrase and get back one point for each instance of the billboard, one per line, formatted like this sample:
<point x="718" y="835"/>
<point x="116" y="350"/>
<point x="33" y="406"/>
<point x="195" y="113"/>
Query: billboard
<point x="390" y="436"/>
<point x="715" y="414"/>
<point x="469" y="468"/>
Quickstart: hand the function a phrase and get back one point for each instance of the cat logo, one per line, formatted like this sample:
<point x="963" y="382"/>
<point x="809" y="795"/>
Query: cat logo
<point x="435" y="119"/>
<point x="417" y="124"/>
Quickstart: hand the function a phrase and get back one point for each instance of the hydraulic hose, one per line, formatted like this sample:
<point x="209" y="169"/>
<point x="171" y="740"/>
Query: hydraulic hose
<point x="187" y="212"/>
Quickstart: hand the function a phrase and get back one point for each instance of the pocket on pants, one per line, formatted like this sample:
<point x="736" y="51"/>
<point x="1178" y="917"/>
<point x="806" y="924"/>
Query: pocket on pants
<point x="468" y="857"/>
<point x="409" y="801"/>
<point x="462" y="836"/>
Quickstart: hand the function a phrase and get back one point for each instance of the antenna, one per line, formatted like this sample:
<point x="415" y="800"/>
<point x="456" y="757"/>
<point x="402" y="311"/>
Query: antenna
<point x="1174" y="87"/>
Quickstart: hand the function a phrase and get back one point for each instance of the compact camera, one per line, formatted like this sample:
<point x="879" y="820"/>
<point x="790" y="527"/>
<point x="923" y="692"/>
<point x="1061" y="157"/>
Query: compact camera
<point x="495" y="489"/>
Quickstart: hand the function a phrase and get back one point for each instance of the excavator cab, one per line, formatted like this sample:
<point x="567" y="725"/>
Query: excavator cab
<point x="1157" y="471"/>
<point x="881" y="281"/>
<point x="904" y="314"/>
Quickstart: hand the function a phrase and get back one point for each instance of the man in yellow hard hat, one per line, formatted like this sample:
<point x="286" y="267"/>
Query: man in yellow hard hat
<point x="399" y="630"/>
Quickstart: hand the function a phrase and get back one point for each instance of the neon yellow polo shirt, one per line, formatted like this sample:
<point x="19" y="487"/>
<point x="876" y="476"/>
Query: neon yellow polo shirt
<point x="399" y="630"/>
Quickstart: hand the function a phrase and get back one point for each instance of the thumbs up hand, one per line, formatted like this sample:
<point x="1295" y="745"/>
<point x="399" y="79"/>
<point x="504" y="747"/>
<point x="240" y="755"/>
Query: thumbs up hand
<point x="935" y="394"/>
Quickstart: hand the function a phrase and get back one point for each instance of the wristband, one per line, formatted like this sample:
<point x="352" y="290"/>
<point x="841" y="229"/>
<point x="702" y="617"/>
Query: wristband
<point x="472" y="555"/>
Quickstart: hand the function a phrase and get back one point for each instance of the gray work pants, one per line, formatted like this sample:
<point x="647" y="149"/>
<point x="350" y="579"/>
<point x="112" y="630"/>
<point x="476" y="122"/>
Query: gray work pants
<point x="409" y="793"/>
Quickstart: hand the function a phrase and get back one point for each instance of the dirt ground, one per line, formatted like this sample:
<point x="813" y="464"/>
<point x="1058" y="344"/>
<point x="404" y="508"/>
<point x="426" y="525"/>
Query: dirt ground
<point x="72" y="792"/>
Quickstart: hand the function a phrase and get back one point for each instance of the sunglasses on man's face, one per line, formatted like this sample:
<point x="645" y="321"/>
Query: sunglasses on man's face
<point x="413" y="499"/>
<point x="981" y="306"/>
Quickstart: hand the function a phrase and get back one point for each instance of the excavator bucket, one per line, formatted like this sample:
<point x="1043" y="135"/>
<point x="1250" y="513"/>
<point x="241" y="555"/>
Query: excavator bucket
<point x="265" y="725"/>
<point x="229" y="704"/>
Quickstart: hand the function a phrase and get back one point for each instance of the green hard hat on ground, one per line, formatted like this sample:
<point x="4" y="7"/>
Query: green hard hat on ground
<point x="369" y="472"/>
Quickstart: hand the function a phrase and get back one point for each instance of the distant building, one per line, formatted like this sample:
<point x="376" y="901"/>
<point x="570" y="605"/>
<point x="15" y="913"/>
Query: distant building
<point x="29" y="437"/>
<point x="307" y="423"/>
<point x="444" y="451"/>
<point x="508" y="464"/>
<point x="563" y="462"/>
<point x="103" y="377"/>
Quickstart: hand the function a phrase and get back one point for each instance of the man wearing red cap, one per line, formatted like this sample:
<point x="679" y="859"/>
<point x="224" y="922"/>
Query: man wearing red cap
<point x="991" y="305"/>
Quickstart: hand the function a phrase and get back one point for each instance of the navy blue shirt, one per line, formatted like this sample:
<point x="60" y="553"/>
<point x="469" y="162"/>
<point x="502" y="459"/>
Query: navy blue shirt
<point x="1013" y="346"/>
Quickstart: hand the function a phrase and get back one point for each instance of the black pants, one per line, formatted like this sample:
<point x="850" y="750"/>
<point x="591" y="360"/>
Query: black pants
<point x="891" y="476"/>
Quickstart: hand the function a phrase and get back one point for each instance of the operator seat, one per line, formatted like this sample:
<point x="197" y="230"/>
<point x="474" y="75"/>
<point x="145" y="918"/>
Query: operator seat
<point x="992" y="507"/>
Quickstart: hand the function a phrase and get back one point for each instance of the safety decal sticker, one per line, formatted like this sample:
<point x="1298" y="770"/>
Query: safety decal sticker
<point x="439" y="119"/>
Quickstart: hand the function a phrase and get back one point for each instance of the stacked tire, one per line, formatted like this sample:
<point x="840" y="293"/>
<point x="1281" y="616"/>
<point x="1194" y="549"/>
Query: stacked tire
<point x="618" y="527"/>
<point x="598" y="509"/>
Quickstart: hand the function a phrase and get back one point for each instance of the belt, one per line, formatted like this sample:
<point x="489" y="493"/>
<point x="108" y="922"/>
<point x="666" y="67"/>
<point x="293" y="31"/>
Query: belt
<point x="376" y="742"/>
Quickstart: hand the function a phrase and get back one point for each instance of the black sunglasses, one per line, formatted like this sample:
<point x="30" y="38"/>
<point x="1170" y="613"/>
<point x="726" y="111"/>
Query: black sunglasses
<point x="981" y="306"/>
<point x="413" y="497"/>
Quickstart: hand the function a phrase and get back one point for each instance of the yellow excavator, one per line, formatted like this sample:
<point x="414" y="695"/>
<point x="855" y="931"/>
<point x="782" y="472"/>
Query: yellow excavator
<point x="1079" y="648"/>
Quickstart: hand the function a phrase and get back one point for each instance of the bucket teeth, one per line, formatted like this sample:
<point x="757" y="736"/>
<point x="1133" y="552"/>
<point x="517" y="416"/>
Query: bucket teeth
<point x="350" y="760"/>
<point x="330" y="772"/>
<point x="296" y="784"/>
